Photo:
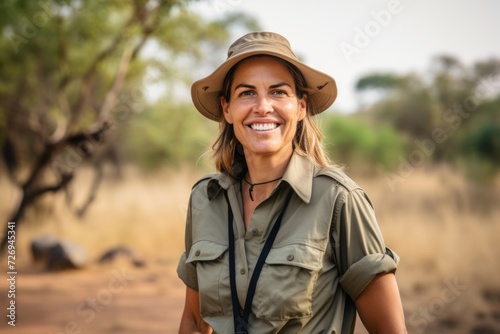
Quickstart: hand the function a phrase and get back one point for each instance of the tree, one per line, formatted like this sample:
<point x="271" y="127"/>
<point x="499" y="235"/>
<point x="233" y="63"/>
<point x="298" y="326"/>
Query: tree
<point x="73" y="71"/>
<point x="407" y="103"/>
<point x="362" y="146"/>
<point x="455" y="109"/>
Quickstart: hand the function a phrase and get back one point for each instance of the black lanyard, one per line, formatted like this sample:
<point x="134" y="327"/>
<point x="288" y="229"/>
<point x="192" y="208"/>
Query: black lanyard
<point x="240" y="316"/>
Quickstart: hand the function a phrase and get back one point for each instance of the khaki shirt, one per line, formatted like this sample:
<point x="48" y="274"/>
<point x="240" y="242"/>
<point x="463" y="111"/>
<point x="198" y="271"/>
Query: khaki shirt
<point x="300" y="288"/>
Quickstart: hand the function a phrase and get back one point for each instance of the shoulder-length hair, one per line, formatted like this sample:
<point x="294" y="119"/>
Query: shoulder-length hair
<point x="228" y="151"/>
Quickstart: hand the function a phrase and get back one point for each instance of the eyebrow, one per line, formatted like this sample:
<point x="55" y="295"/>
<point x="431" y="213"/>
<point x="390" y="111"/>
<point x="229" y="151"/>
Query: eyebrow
<point x="244" y="85"/>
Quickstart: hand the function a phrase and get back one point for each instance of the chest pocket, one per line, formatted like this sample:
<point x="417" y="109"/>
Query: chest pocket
<point x="211" y="262"/>
<point x="287" y="282"/>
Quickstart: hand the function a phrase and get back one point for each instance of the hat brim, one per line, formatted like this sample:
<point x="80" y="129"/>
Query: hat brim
<point x="206" y="92"/>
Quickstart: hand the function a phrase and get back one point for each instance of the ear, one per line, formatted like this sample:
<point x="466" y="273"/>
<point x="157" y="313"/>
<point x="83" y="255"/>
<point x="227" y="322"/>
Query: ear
<point x="225" y="110"/>
<point x="302" y="108"/>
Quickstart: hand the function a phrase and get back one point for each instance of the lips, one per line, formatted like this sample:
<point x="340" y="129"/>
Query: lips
<point x="263" y="126"/>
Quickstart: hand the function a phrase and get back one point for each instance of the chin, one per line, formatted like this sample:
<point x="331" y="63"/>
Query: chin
<point x="267" y="150"/>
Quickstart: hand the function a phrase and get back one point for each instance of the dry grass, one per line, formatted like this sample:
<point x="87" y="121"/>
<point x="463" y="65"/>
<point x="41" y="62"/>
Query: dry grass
<point x="146" y="211"/>
<point x="443" y="228"/>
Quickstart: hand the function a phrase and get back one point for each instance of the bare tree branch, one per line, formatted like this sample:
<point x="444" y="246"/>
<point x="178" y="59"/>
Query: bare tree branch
<point x="112" y="94"/>
<point x="119" y="36"/>
<point x="31" y="192"/>
<point x="98" y="177"/>
<point x="27" y="199"/>
<point x="65" y="179"/>
<point x="82" y="101"/>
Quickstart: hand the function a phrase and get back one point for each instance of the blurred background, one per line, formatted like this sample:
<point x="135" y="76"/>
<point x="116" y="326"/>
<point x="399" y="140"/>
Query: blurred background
<point x="100" y="146"/>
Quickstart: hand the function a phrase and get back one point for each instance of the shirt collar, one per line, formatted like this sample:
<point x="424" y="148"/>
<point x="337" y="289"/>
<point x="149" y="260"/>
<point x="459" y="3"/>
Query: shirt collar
<point x="298" y="174"/>
<point x="217" y="183"/>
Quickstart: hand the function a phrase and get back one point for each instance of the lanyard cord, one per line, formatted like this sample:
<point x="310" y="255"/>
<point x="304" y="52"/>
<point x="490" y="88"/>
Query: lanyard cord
<point x="250" y="190"/>
<point x="240" y="317"/>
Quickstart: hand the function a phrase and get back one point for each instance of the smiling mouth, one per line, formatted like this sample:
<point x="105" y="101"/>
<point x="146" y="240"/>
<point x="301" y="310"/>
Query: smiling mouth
<point x="263" y="126"/>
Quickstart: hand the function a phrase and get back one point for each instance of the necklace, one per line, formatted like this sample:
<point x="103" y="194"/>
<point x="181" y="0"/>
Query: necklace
<point x="258" y="184"/>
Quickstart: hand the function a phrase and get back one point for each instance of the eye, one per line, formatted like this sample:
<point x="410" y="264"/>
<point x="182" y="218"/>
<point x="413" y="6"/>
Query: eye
<point x="279" y="92"/>
<point x="246" y="93"/>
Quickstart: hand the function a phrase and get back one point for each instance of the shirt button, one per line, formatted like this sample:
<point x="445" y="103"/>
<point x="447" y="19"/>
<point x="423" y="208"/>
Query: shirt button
<point x="255" y="232"/>
<point x="197" y="253"/>
<point x="243" y="271"/>
<point x="290" y="257"/>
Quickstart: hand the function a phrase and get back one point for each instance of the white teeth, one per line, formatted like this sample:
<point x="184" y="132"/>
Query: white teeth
<point x="264" y="126"/>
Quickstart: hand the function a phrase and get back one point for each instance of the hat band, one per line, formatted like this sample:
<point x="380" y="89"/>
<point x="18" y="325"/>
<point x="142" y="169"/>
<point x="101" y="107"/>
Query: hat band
<point x="263" y="46"/>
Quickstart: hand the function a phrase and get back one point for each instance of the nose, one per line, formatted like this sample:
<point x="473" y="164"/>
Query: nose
<point x="263" y="105"/>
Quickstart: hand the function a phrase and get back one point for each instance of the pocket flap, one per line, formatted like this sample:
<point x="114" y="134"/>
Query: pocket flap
<point x="205" y="250"/>
<point x="299" y="255"/>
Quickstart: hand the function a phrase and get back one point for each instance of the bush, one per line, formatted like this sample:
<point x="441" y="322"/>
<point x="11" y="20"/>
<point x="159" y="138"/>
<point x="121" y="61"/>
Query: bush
<point x="169" y="134"/>
<point x="360" y="145"/>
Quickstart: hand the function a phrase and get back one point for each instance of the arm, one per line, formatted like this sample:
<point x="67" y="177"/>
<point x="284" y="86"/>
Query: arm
<point x="379" y="306"/>
<point x="191" y="321"/>
<point x="368" y="274"/>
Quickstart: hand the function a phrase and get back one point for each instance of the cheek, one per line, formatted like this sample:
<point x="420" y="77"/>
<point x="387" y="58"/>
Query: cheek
<point x="294" y="112"/>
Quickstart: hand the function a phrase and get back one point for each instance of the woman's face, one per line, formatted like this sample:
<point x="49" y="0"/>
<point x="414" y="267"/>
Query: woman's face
<point x="264" y="108"/>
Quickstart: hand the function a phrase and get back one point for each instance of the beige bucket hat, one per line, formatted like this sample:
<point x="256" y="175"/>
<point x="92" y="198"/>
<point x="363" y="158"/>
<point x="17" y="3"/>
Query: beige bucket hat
<point x="207" y="91"/>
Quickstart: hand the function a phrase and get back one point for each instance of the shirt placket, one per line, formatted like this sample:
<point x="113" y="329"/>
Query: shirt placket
<point x="242" y="278"/>
<point x="249" y="243"/>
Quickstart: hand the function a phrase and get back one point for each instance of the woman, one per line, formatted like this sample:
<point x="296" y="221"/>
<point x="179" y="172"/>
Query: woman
<point x="279" y="240"/>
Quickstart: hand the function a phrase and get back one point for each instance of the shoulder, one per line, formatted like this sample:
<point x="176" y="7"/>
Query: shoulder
<point x="336" y="176"/>
<point x="211" y="184"/>
<point x="350" y="191"/>
<point x="204" y="180"/>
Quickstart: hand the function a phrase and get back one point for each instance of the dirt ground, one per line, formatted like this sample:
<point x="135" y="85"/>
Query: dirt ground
<point x="102" y="299"/>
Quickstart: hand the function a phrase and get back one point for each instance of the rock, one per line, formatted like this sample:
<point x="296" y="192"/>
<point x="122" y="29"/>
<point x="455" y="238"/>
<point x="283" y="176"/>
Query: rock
<point x="41" y="245"/>
<point x="66" y="255"/>
<point x="122" y="251"/>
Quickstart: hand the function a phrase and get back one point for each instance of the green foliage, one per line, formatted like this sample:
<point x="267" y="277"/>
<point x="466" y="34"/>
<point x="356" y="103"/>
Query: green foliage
<point x="63" y="61"/>
<point x="456" y="108"/>
<point x="168" y="133"/>
<point x="377" y="81"/>
<point x="59" y="60"/>
<point x="478" y="142"/>
<point x="485" y="140"/>
<point x="356" y="143"/>
<point x="414" y="112"/>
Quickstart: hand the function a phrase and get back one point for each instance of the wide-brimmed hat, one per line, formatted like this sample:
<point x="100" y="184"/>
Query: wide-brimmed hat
<point x="207" y="91"/>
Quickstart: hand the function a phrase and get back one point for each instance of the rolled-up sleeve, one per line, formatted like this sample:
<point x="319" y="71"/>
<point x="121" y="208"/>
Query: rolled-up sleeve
<point x="360" y="246"/>
<point x="187" y="271"/>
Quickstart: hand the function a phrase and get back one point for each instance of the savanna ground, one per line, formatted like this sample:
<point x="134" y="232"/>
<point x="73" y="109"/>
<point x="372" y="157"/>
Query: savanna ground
<point x="445" y="230"/>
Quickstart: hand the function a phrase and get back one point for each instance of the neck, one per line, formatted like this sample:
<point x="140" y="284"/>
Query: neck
<point x="252" y="185"/>
<point x="264" y="169"/>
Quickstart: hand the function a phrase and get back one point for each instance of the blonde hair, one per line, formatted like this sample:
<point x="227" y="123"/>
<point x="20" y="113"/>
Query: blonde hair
<point x="228" y="151"/>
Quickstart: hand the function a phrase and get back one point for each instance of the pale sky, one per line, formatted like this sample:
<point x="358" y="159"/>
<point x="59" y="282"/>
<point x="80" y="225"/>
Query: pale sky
<point x="404" y="41"/>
